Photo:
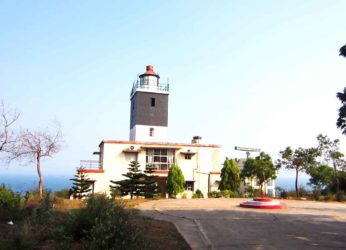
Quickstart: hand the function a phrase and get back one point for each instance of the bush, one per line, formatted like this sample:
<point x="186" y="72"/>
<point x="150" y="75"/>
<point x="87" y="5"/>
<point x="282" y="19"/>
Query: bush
<point x="340" y="196"/>
<point x="228" y="194"/>
<point x="198" y="194"/>
<point x="214" y="194"/>
<point x="114" y="230"/>
<point x="63" y="193"/>
<point x="10" y="204"/>
<point x="316" y="194"/>
<point x="303" y="192"/>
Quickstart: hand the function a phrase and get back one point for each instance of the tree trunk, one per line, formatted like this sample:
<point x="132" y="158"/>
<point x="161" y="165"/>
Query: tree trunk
<point x="40" y="182"/>
<point x="297" y="193"/>
<point x="336" y="178"/>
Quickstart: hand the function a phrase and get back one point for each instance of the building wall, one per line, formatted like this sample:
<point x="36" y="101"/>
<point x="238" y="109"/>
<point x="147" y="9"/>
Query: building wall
<point x="204" y="159"/>
<point x="142" y="133"/>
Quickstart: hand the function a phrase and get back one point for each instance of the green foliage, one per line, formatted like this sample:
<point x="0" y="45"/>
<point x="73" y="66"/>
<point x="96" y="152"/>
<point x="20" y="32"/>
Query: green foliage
<point x="150" y="186"/>
<point x="342" y="51"/>
<point x="341" y="121"/>
<point x="340" y="196"/>
<point x="134" y="183"/>
<point x="175" y="181"/>
<point x="228" y="194"/>
<point x="300" y="160"/>
<point x="281" y="192"/>
<point x="81" y="185"/>
<point x="321" y="176"/>
<point x="230" y="178"/>
<point x="316" y="194"/>
<point x="223" y="193"/>
<point x="214" y="194"/>
<point x="10" y="203"/>
<point x="137" y="183"/>
<point x="198" y="194"/>
<point x="104" y="224"/>
<point x="261" y="168"/>
<point x="251" y="191"/>
<point x="62" y="193"/>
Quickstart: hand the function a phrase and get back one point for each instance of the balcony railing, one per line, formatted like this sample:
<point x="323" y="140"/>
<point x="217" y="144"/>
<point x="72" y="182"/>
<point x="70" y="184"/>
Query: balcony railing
<point x="160" y="87"/>
<point x="90" y="164"/>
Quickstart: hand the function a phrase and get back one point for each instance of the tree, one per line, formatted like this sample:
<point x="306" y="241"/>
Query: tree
<point x="342" y="51"/>
<point x="331" y="155"/>
<point x="175" y="181"/>
<point x="301" y="160"/>
<point x="134" y="183"/>
<point x="34" y="145"/>
<point x="150" y="186"/>
<point x="321" y="176"/>
<point x="261" y="168"/>
<point x="81" y="184"/>
<point x="230" y="178"/>
<point x="341" y="121"/>
<point x="7" y="118"/>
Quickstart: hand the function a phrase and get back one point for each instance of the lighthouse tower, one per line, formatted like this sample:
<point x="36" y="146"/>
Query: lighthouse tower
<point x="149" y="108"/>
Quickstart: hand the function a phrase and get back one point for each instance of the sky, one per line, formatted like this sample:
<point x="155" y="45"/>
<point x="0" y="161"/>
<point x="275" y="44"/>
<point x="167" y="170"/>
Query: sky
<point x="258" y="74"/>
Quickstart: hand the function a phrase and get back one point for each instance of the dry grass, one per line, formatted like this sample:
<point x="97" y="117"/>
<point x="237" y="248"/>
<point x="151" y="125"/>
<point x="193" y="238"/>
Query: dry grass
<point x="161" y="234"/>
<point x="62" y="204"/>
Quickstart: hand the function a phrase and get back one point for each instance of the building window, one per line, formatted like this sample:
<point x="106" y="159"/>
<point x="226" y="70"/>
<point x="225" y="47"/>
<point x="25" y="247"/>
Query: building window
<point x="187" y="157"/>
<point x="188" y="186"/>
<point x="160" y="159"/>
<point x="151" y="132"/>
<point x="152" y="102"/>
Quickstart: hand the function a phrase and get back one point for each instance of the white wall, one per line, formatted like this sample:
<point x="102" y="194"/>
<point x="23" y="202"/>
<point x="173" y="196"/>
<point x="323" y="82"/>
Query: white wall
<point x="141" y="133"/>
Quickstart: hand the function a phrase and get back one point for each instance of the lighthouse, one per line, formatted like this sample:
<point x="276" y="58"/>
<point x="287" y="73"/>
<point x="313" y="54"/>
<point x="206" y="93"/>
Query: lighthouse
<point x="149" y="108"/>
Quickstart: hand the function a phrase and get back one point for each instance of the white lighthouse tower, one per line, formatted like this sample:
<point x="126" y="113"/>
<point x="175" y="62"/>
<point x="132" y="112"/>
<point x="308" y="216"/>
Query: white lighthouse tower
<point x="149" y="108"/>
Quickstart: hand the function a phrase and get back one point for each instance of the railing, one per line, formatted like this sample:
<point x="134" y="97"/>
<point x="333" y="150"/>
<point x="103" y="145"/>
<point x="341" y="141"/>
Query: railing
<point x="90" y="164"/>
<point x="160" y="87"/>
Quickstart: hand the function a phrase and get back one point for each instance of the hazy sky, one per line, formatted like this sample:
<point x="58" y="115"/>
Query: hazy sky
<point x="242" y="73"/>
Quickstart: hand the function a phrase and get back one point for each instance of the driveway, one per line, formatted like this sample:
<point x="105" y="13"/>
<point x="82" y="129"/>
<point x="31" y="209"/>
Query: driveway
<point x="222" y="224"/>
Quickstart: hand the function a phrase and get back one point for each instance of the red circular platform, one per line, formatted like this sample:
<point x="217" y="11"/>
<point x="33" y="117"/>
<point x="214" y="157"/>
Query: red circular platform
<point x="263" y="203"/>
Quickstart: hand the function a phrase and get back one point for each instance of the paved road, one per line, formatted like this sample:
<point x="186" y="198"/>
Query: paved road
<point x="222" y="224"/>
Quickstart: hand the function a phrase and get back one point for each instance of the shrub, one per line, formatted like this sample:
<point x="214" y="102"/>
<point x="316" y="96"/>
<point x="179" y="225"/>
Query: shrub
<point x="340" y="196"/>
<point x="63" y="193"/>
<point x="198" y="194"/>
<point x="214" y="194"/>
<point x="303" y="192"/>
<point x="114" y="230"/>
<point x="10" y="203"/>
<point x="227" y="194"/>
<point x="316" y="194"/>
<point x="283" y="194"/>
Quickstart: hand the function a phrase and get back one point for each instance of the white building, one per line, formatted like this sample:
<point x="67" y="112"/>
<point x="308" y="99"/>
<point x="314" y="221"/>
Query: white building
<point x="200" y="163"/>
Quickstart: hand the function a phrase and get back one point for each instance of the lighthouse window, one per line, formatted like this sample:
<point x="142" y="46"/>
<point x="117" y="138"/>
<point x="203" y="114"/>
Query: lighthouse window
<point x="151" y="132"/>
<point x="152" y="101"/>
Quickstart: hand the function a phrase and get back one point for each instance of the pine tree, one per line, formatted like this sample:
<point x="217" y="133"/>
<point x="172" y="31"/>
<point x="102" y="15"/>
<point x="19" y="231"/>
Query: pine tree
<point x="81" y="185"/>
<point x="151" y="187"/>
<point x="134" y="183"/>
<point x="175" y="181"/>
<point x="230" y="178"/>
